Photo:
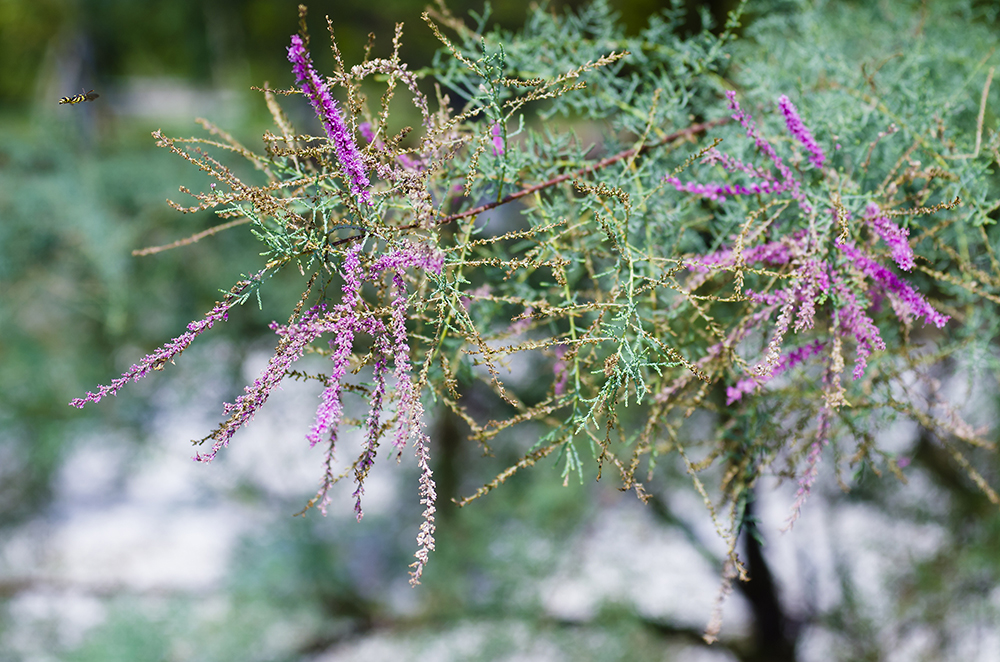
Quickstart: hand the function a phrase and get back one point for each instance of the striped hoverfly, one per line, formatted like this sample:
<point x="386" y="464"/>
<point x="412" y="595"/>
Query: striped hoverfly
<point x="79" y="98"/>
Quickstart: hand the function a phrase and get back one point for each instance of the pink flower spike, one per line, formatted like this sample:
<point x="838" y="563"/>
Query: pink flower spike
<point x="171" y="350"/>
<point x="315" y="89"/>
<point x="295" y="338"/>
<point x="799" y="130"/>
<point x="894" y="237"/>
<point x="913" y="303"/>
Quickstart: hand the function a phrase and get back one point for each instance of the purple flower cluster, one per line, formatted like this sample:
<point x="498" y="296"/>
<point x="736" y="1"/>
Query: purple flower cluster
<point x="812" y="280"/>
<point x="855" y="323"/>
<point x="762" y="180"/>
<point x="409" y="410"/>
<point x="345" y="321"/>
<point x="373" y="426"/>
<point x="800" y="132"/>
<point x="428" y="499"/>
<point x="316" y="90"/>
<point x="787" y="362"/>
<point x="855" y="283"/>
<point x="808" y="477"/>
<point x="718" y="192"/>
<point x="396" y="262"/>
<point x="732" y="164"/>
<point x="894" y="236"/>
<point x="846" y="278"/>
<point x="293" y="343"/>
<point x="909" y="302"/>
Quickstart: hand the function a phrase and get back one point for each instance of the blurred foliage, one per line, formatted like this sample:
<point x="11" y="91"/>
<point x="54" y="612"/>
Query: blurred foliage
<point x="219" y="42"/>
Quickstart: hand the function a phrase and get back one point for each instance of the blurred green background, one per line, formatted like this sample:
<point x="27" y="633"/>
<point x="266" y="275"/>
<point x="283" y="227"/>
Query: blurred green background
<point x="80" y="188"/>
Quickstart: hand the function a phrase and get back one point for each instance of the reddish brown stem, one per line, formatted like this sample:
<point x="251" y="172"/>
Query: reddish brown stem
<point x="597" y="165"/>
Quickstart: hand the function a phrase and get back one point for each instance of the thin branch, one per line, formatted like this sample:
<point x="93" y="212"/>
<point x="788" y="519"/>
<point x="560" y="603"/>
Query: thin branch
<point x="979" y="119"/>
<point x="190" y="240"/>
<point x="597" y="165"/>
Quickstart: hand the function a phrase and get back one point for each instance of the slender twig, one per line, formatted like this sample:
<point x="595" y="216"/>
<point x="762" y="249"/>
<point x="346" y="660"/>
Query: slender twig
<point x="979" y="120"/>
<point x="190" y="240"/>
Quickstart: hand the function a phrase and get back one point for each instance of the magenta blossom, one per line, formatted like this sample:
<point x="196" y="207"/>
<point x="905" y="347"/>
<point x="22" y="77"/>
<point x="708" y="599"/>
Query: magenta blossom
<point x="789" y="361"/>
<point x="315" y="89"/>
<point x="761" y="180"/>
<point x="800" y="132"/>
<point x="347" y="320"/>
<point x="171" y="350"/>
<point x="913" y="304"/>
<point x="894" y="236"/>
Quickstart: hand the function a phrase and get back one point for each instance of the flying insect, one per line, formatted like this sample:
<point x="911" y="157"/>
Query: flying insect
<point x="79" y="98"/>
